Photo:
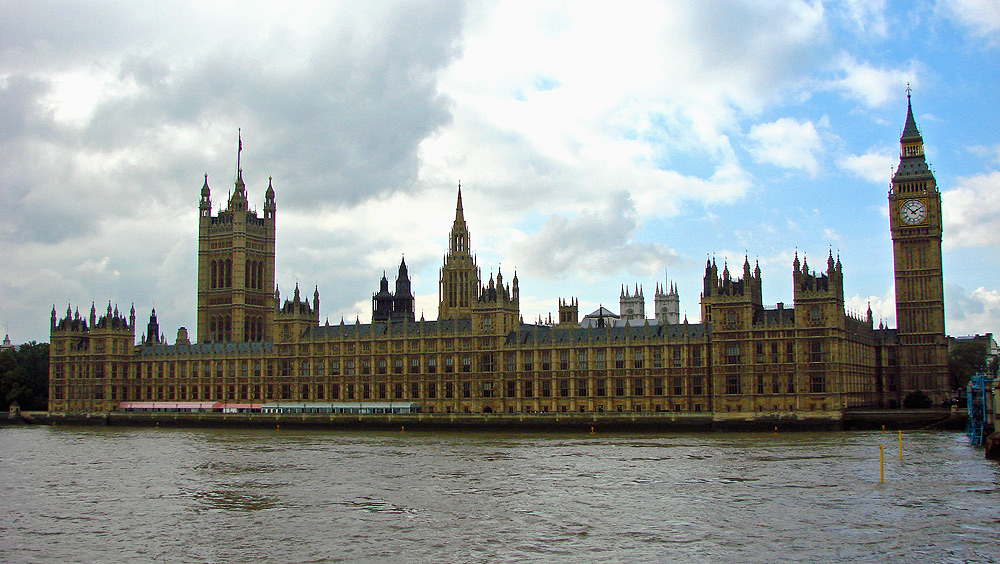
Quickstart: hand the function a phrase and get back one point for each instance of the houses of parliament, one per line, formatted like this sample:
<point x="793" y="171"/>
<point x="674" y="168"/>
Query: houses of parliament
<point x="743" y="359"/>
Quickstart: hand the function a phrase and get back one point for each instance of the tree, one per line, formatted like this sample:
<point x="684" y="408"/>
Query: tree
<point x="24" y="376"/>
<point x="916" y="400"/>
<point x="965" y="359"/>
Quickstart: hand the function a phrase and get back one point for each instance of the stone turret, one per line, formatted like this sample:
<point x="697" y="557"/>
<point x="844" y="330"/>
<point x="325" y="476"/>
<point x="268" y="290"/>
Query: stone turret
<point x="497" y="309"/>
<point x="296" y="316"/>
<point x="731" y="302"/>
<point x="569" y="312"/>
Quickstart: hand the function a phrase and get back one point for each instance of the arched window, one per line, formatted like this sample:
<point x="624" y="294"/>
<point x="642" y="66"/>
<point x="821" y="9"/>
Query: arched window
<point x="214" y="274"/>
<point x="229" y="273"/>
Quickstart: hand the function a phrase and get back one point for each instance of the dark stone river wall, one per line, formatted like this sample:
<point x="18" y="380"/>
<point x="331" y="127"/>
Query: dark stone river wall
<point x="569" y="422"/>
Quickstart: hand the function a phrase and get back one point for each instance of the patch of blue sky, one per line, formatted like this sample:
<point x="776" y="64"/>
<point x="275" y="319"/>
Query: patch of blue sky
<point x="545" y="83"/>
<point x="539" y="84"/>
<point x="670" y="152"/>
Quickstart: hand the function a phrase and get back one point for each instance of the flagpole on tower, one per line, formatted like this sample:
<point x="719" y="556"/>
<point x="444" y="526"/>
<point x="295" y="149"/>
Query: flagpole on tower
<point x="239" y="136"/>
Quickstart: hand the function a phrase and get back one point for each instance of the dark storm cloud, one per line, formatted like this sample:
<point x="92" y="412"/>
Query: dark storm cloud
<point x="357" y="114"/>
<point x="339" y="128"/>
<point x="19" y="108"/>
<point x="111" y="112"/>
<point x="42" y="34"/>
<point x="340" y="123"/>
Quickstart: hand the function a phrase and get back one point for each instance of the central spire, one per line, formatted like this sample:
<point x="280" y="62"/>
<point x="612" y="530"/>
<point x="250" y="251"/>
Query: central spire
<point x="459" y="214"/>
<point x="458" y="285"/>
<point x="459" y="243"/>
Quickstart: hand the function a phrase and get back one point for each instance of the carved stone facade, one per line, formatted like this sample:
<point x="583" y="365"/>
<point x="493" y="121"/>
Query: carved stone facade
<point x="916" y="224"/>
<point x="743" y="360"/>
<point x="235" y="268"/>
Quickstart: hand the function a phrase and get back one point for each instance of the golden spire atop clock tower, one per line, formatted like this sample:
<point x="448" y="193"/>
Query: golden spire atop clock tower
<point x="915" y="222"/>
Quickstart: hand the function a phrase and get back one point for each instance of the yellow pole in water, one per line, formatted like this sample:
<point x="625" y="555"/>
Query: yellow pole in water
<point x="402" y="428"/>
<point x="900" y="445"/>
<point x="591" y="429"/>
<point x="881" y="463"/>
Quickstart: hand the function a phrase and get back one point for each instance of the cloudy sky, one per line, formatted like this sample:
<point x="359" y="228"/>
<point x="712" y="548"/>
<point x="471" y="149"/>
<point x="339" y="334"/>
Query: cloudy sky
<point x="596" y="146"/>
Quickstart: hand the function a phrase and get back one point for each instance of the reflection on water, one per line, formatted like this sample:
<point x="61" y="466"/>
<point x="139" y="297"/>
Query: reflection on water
<point x="235" y="500"/>
<point x="109" y="495"/>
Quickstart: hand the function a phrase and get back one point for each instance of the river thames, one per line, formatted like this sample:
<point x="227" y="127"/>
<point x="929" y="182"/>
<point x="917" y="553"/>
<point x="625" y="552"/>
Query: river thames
<point x="99" y="494"/>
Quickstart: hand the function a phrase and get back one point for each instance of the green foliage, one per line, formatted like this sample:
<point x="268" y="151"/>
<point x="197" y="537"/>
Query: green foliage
<point x="965" y="359"/>
<point x="916" y="400"/>
<point x="24" y="377"/>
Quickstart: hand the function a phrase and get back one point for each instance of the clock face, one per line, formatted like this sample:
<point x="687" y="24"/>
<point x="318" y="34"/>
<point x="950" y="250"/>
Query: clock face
<point x="913" y="212"/>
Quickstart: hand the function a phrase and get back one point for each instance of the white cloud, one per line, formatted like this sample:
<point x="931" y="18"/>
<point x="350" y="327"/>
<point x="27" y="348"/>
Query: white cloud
<point x="883" y="307"/>
<point x="368" y="115"/>
<point x="787" y="143"/>
<point x="872" y="85"/>
<point x="973" y="312"/>
<point x="874" y="167"/>
<point x="591" y="244"/>
<point x="983" y="16"/>
<point x="991" y="153"/>
<point x="99" y="267"/>
<point x="972" y="212"/>
<point x="866" y="16"/>
<point x="571" y="109"/>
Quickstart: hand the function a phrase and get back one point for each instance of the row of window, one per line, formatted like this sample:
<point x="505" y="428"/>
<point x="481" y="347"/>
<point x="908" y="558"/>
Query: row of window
<point x="581" y="387"/>
<point x="775" y="385"/>
<point x="734" y="383"/>
<point x="465" y="363"/>
<point x="221" y="274"/>
<point x="772" y="352"/>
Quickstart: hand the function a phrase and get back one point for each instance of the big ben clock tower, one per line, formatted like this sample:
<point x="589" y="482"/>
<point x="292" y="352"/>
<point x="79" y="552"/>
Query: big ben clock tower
<point x="915" y="221"/>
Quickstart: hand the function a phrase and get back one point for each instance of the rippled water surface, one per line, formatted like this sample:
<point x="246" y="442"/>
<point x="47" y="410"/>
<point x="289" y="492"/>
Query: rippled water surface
<point x="174" y="495"/>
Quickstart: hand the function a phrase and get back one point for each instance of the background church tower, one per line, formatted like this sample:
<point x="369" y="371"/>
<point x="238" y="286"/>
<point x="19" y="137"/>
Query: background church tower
<point x="915" y="222"/>
<point x="459" y="279"/>
<point x="632" y="306"/>
<point x="667" y="303"/>
<point x="236" y="267"/>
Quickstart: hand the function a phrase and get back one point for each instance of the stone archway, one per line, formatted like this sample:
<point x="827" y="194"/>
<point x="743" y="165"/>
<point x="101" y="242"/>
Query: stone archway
<point x="487" y="409"/>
